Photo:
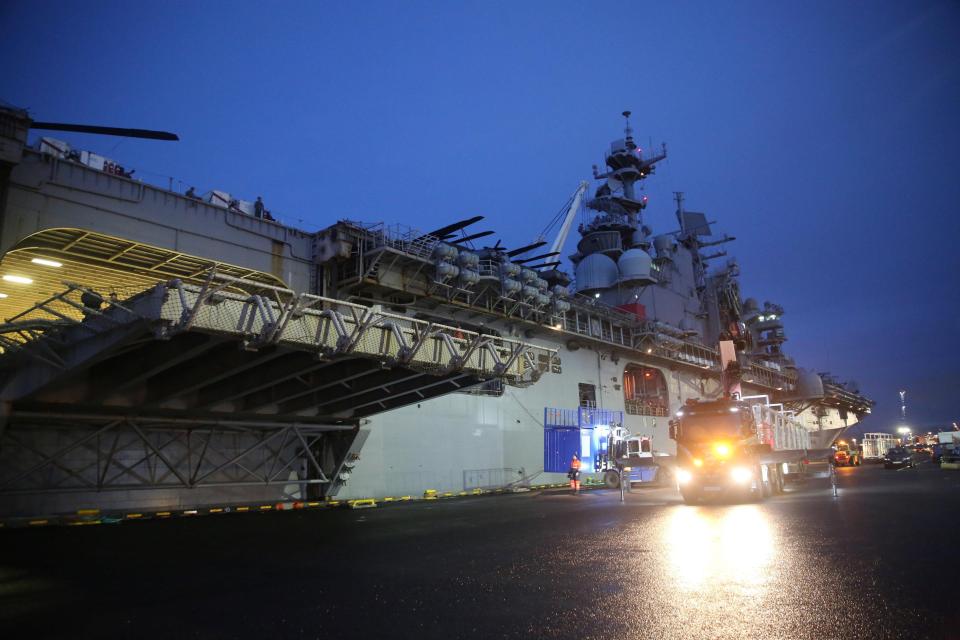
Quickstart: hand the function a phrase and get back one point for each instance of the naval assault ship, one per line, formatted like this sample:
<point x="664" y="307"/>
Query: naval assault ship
<point x="164" y="348"/>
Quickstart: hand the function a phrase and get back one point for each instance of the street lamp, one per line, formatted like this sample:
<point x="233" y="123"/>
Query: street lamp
<point x="904" y="433"/>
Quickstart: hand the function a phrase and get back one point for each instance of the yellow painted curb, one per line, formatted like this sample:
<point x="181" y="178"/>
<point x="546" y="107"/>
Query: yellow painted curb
<point x="364" y="503"/>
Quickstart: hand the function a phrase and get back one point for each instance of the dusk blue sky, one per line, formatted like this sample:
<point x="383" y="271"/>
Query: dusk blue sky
<point x="823" y="135"/>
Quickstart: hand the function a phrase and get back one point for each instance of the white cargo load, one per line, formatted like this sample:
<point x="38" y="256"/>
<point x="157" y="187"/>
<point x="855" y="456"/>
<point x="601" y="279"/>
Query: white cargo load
<point x="223" y="199"/>
<point x="218" y="198"/>
<point x="950" y="438"/>
<point x="93" y="160"/>
<point x="779" y="429"/>
<point x="54" y="147"/>
<point x="876" y="445"/>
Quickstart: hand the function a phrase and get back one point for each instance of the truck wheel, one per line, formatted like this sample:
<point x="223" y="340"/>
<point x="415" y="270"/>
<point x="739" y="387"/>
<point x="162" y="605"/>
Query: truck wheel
<point x="611" y="479"/>
<point x="777" y="481"/>
<point x="768" y="485"/>
<point x="756" y="493"/>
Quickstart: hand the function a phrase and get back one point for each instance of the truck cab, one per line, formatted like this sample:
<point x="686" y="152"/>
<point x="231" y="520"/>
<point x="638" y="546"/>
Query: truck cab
<point x="719" y="454"/>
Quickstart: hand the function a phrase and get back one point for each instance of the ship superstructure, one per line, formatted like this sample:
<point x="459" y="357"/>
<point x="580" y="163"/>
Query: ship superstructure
<point x="636" y="327"/>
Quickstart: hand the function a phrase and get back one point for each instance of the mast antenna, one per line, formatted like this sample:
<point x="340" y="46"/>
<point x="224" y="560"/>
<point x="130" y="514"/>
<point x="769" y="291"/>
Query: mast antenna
<point x="628" y="132"/>
<point x="678" y="196"/>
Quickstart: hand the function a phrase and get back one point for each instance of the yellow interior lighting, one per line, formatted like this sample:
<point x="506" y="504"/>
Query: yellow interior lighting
<point x="106" y="264"/>
<point x="46" y="262"/>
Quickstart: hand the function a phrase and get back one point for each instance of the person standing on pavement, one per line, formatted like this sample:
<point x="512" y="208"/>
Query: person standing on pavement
<point x="574" y="474"/>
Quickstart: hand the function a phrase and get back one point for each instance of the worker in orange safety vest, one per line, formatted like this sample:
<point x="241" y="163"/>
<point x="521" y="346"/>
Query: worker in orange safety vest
<point x="574" y="474"/>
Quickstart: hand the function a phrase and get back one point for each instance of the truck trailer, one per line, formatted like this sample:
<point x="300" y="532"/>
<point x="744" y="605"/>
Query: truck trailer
<point x="876" y="445"/>
<point x="947" y="448"/>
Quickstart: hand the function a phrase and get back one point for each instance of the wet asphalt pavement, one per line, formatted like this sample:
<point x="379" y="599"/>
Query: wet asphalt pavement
<point x="882" y="560"/>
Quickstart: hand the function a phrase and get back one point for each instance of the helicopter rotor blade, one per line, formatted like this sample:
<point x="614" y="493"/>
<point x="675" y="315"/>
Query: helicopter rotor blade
<point x="452" y="228"/>
<point x="482" y="234"/>
<point x="529" y="247"/>
<point x="542" y="255"/>
<point x="107" y="131"/>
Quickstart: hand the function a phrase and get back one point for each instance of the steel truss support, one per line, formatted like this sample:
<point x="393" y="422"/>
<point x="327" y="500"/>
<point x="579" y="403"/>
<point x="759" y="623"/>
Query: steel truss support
<point x="42" y="453"/>
<point x="336" y="329"/>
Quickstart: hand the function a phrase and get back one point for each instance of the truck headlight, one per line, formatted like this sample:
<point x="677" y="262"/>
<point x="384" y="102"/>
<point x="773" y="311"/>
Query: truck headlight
<point x="684" y="476"/>
<point x="741" y="475"/>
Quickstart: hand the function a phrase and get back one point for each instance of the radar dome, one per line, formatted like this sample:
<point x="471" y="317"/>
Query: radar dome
<point x="809" y="385"/>
<point x="663" y="246"/>
<point x="596" y="271"/>
<point x="639" y="238"/>
<point x="635" y="267"/>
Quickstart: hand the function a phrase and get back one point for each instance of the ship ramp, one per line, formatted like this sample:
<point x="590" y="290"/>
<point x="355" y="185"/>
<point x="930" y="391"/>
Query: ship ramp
<point x="187" y="393"/>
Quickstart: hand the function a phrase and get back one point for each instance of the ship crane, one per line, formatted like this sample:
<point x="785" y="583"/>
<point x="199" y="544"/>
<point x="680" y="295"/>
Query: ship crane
<point x="561" y="238"/>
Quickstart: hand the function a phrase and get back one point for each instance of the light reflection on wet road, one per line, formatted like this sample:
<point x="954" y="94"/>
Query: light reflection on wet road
<point x="710" y="547"/>
<point x="879" y="561"/>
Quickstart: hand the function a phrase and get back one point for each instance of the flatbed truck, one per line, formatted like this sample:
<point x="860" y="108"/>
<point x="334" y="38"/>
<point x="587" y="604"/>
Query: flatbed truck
<point x="736" y="450"/>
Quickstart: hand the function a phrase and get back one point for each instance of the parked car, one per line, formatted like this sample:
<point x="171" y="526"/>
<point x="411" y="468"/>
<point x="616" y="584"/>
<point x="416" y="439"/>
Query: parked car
<point x="898" y="458"/>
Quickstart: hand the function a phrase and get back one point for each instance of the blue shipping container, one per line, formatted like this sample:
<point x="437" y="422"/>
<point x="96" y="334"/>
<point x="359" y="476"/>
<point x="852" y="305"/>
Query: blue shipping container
<point x="559" y="445"/>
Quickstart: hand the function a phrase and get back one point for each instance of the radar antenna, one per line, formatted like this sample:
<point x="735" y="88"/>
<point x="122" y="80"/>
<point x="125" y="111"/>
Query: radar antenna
<point x="628" y="132"/>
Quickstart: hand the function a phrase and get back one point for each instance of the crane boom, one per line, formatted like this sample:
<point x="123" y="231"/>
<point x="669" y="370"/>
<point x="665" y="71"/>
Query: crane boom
<point x="561" y="238"/>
